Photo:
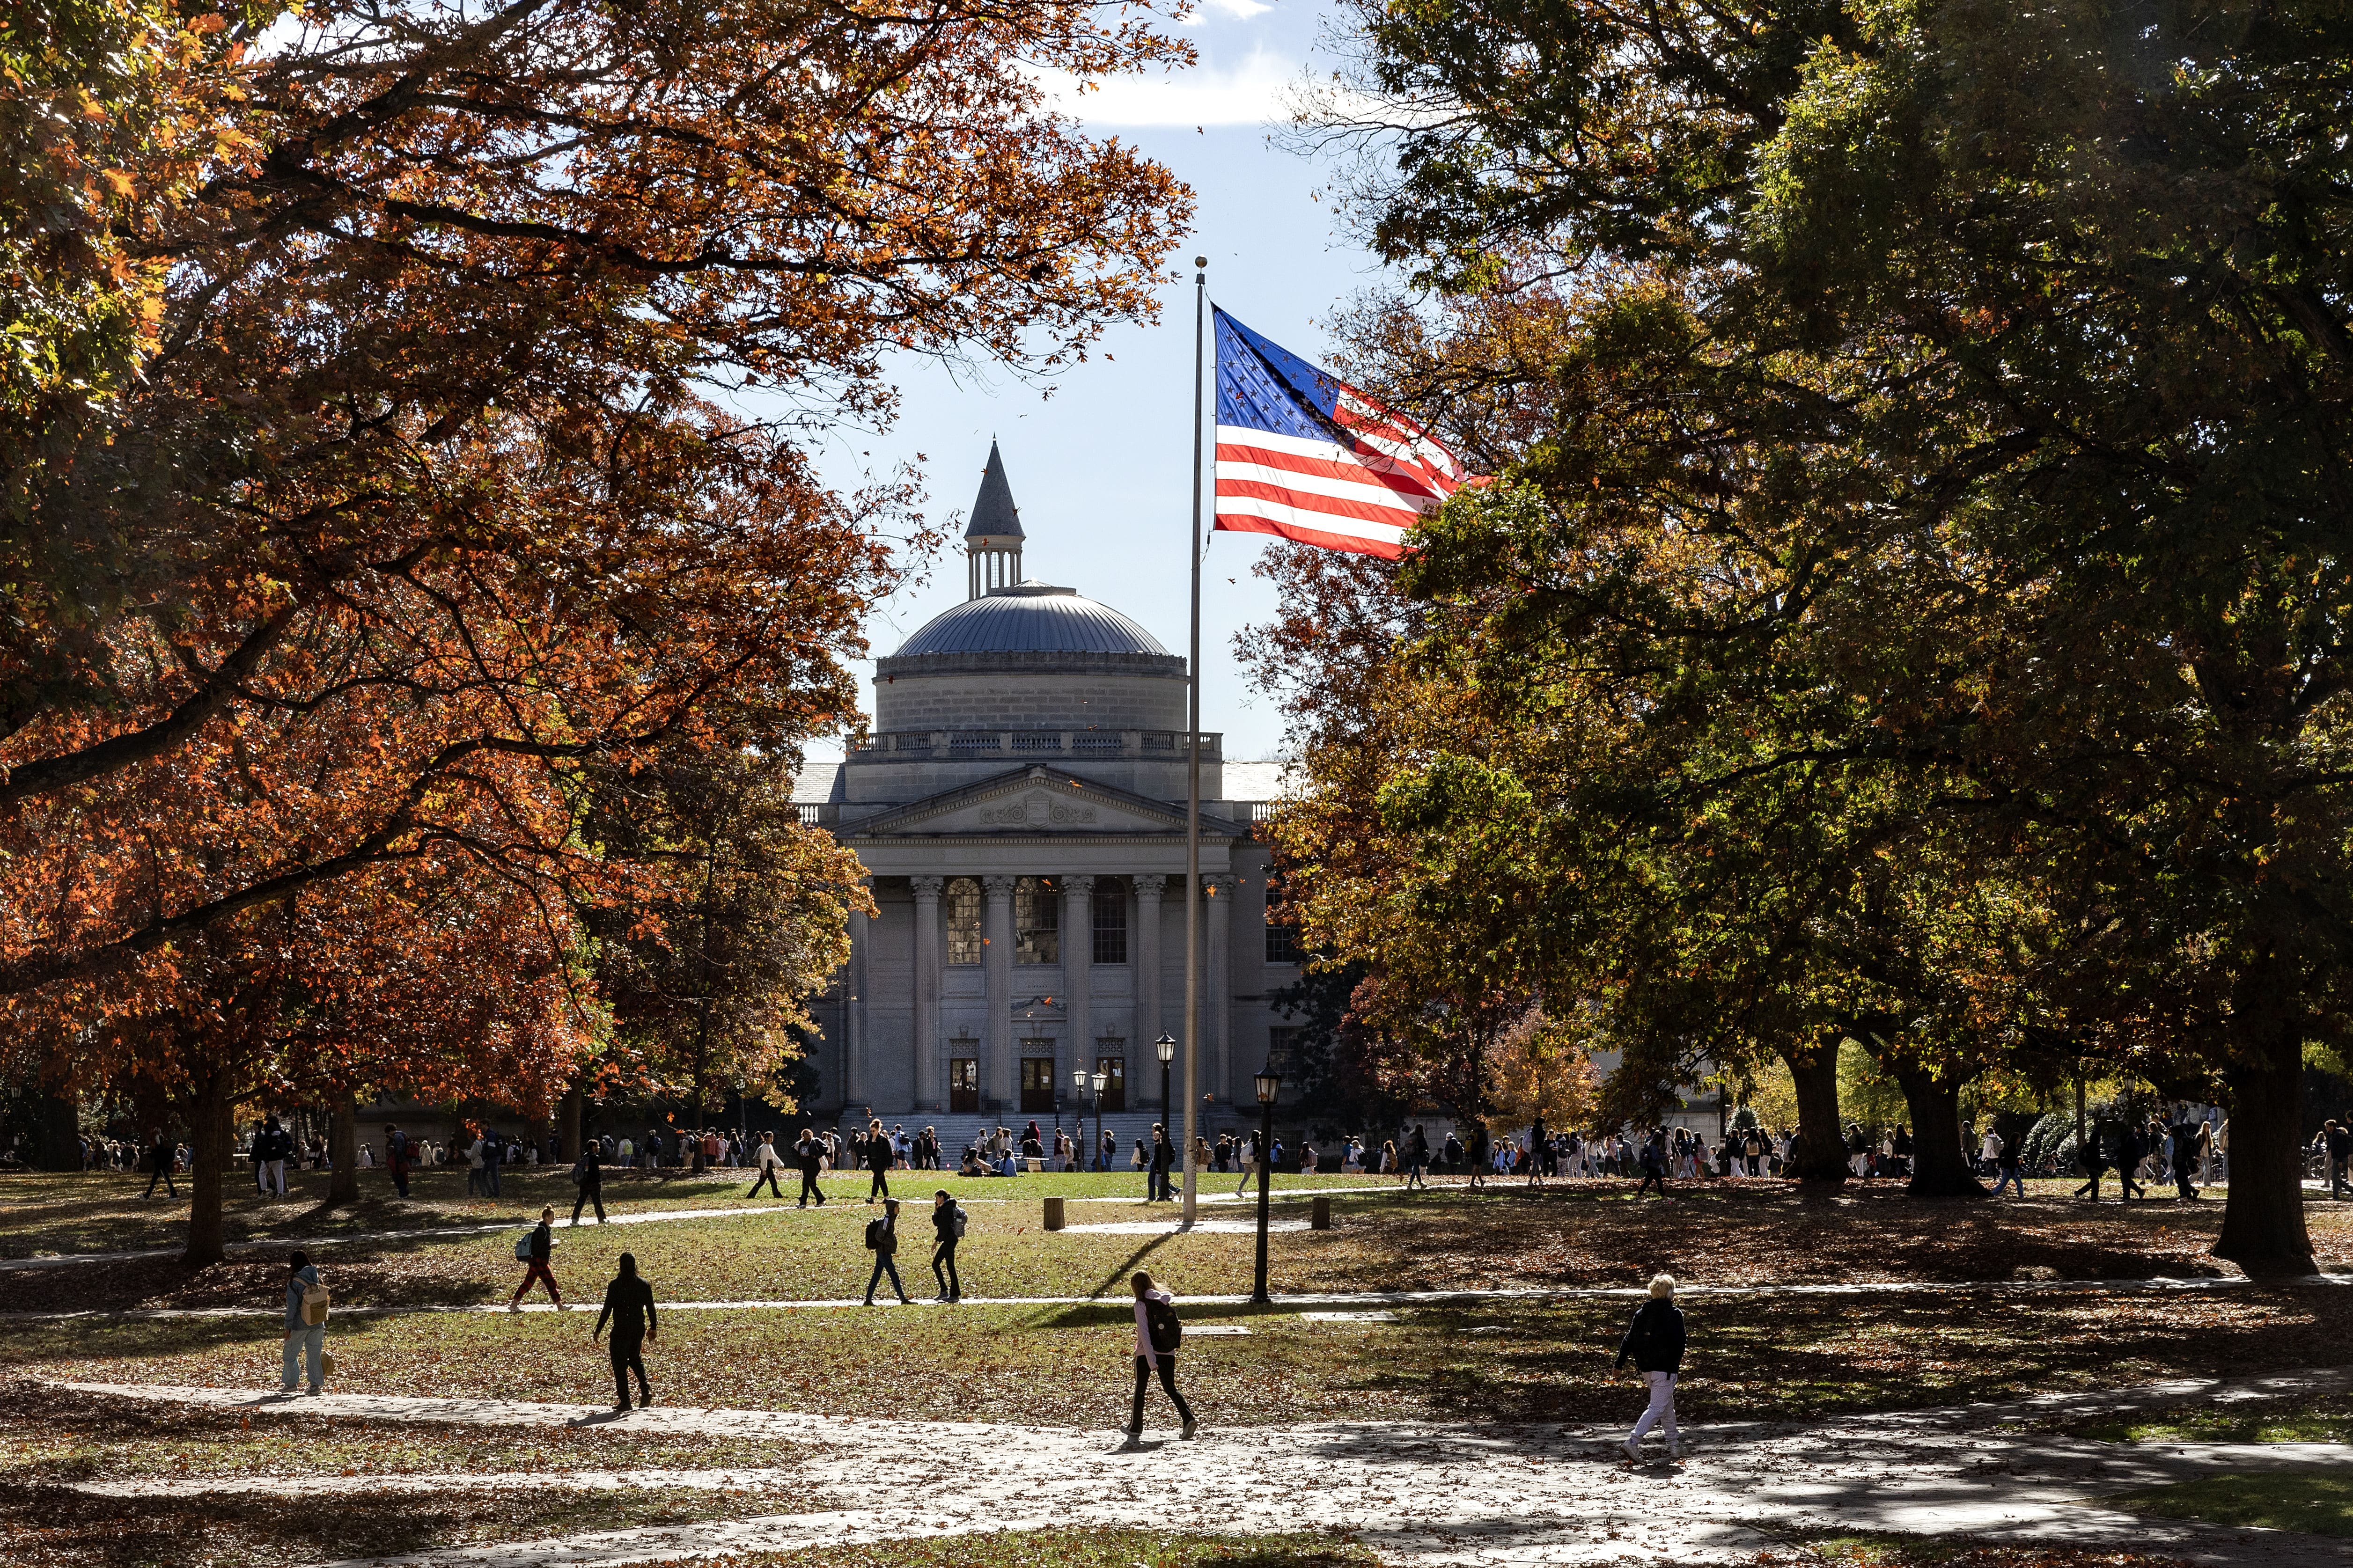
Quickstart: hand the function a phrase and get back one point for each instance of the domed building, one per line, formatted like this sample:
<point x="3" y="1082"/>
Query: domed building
<point x="1019" y="807"/>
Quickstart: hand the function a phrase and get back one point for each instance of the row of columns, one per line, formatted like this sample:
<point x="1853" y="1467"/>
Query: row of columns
<point x="1078" y="971"/>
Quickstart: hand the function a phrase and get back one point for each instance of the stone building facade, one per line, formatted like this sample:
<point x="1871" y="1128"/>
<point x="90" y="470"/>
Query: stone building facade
<point x="1019" y="807"/>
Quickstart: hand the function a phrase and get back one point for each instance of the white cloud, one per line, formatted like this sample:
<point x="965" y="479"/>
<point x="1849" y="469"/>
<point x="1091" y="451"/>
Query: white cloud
<point x="1250" y="93"/>
<point x="1241" y="10"/>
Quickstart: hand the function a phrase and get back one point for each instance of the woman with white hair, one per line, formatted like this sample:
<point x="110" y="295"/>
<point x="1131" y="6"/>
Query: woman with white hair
<point x="1654" y="1344"/>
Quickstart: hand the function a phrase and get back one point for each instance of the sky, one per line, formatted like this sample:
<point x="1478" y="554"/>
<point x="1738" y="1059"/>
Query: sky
<point x="1100" y="469"/>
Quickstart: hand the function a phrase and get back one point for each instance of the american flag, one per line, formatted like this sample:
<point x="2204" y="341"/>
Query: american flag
<point x="1304" y="454"/>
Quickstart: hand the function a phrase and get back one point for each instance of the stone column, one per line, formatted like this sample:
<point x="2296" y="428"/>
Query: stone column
<point x="855" y="1086"/>
<point x="1078" y="974"/>
<point x="1145" y="954"/>
<point x="997" y="935"/>
<point x="931" y="1068"/>
<point x="1217" y="1003"/>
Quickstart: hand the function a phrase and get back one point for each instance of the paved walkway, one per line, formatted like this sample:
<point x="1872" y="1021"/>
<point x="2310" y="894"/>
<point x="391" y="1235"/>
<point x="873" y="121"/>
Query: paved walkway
<point x="1367" y="1298"/>
<point x="1428" y="1493"/>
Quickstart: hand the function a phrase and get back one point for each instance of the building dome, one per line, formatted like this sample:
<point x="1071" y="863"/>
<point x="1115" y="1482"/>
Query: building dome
<point x="1032" y="618"/>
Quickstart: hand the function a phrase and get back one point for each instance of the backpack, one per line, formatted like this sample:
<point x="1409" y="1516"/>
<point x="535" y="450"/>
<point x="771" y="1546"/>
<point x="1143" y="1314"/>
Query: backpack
<point x="523" y="1247"/>
<point x="873" y="1235"/>
<point x="315" y="1301"/>
<point x="957" y="1222"/>
<point x="1160" y="1322"/>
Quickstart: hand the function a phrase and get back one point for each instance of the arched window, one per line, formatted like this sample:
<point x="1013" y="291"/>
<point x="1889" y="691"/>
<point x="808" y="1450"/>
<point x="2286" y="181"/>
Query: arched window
<point x="961" y="901"/>
<point x="1037" y="920"/>
<point x="1111" y="922"/>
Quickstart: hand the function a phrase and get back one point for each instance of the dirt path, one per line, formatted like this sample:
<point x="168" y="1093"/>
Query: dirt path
<point x="1426" y="1493"/>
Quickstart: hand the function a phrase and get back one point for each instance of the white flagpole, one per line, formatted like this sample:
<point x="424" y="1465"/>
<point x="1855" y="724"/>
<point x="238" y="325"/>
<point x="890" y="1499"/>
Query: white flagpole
<point x="1193" y="778"/>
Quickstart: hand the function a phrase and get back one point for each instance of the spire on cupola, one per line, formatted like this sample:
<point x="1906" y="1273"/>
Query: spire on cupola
<point x="994" y="540"/>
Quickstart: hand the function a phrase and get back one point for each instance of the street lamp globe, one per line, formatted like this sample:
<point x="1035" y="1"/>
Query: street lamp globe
<point x="1101" y="1078"/>
<point x="1166" y="1048"/>
<point x="1079" y="1079"/>
<point x="1269" y="1083"/>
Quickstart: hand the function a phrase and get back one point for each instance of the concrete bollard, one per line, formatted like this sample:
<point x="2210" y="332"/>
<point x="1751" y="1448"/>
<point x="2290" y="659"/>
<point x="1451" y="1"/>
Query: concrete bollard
<point x="1053" y="1213"/>
<point x="1320" y="1217"/>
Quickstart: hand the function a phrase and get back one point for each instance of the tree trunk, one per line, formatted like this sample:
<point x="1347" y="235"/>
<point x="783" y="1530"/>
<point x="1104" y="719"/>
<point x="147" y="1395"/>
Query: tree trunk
<point x="209" y="1146"/>
<point x="1821" y="1153"/>
<point x="574" y="1114"/>
<point x="343" y="1150"/>
<point x="2262" y="1218"/>
<point x="1940" y="1167"/>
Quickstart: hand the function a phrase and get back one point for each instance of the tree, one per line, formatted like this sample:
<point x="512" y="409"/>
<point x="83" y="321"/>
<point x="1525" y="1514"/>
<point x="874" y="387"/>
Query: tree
<point x="706" y="977"/>
<point x="2024" y="332"/>
<point x="434" y="316"/>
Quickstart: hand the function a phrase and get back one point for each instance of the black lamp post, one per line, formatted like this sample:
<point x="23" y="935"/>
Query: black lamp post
<point x="1101" y="1080"/>
<point x="1166" y="1048"/>
<point x="1269" y="1084"/>
<point x="1079" y="1113"/>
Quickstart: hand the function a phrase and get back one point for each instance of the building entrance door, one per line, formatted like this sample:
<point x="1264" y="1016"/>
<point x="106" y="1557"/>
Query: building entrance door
<point x="1037" y="1085"/>
<point x="964" y="1084"/>
<point x="1115" y="1071"/>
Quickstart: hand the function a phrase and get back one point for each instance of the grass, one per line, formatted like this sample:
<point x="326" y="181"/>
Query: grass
<point x="1076" y="1548"/>
<point x="2321" y="1418"/>
<point x="1783" y="1358"/>
<point x="2314" y="1504"/>
<point x="56" y="1527"/>
<point x="49" y="1214"/>
<point x="1938" y="1551"/>
<point x="1589" y="1234"/>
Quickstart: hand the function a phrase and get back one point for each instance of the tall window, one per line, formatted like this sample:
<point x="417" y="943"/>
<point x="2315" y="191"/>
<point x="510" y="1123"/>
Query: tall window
<point x="1037" y="920"/>
<point x="1111" y="922"/>
<point x="961" y="901"/>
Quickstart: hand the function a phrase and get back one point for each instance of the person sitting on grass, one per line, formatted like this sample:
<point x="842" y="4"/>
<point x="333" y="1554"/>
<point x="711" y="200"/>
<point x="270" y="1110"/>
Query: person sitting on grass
<point x="1654" y="1344"/>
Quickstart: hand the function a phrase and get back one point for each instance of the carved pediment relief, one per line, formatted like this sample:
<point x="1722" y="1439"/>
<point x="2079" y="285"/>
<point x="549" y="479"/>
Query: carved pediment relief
<point x="1038" y="809"/>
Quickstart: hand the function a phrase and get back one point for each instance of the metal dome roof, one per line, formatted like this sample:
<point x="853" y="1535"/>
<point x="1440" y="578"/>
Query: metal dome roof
<point x="1032" y="618"/>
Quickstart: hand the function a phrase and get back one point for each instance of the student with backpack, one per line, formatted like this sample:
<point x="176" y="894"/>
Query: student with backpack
<point x="882" y="1241"/>
<point x="536" y="1247"/>
<point x="1654" y="1344"/>
<point x="811" y="1152"/>
<point x="159" y="1166"/>
<point x="306" y="1326"/>
<point x="397" y="1157"/>
<point x="880" y="1157"/>
<point x="629" y="1306"/>
<point x="947" y="1226"/>
<point x="1157" y="1333"/>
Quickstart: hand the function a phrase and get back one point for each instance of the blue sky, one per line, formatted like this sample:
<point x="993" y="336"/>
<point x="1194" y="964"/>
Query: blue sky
<point x="1100" y="469"/>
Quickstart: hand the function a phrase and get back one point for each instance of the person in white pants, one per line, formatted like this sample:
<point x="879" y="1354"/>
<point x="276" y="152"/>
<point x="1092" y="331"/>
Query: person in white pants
<point x="1654" y="1344"/>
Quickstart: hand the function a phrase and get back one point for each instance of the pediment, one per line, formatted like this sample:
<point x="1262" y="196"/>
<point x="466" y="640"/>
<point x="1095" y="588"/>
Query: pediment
<point x="1032" y="800"/>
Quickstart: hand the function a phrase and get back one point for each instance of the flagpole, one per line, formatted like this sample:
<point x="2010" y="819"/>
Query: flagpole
<point x="1193" y="778"/>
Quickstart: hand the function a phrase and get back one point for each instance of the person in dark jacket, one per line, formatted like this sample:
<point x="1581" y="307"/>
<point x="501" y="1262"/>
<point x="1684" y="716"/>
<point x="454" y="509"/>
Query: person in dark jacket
<point x="1654" y="1160"/>
<point x="159" y="1167"/>
<point x="306" y="1341"/>
<point x="629" y="1306"/>
<point x="811" y="1152"/>
<point x="2127" y="1153"/>
<point x="1156" y="1185"/>
<point x="591" y="1175"/>
<point x="945" y="1215"/>
<point x="1654" y="1344"/>
<point x="543" y="1248"/>
<point x="880" y="1157"/>
<point x="884" y="1234"/>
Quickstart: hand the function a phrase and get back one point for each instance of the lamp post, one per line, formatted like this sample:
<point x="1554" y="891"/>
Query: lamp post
<point x="1269" y="1084"/>
<point x="1100" y="1080"/>
<point x="1078" y="1076"/>
<point x="1164" y="1048"/>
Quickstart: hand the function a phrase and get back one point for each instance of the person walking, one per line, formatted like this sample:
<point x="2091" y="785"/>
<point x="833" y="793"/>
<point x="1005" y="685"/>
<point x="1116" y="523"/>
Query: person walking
<point x="882" y="1241"/>
<point x="878" y="1158"/>
<point x="1481" y="1152"/>
<point x="1417" y="1160"/>
<point x="159" y="1166"/>
<point x="2089" y="1160"/>
<point x="2005" y="1165"/>
<point x="1158" y="1185"/>
<point x="2127" y="1156"/>
<point x="947" y="1229"/>
<point x="630" y="1308"/>
<point x="810" y="1151"/>
<point x="1248" y="1161"/>
<point x="2340" y="1143"/>
<point x="1653" y="1162"/>
<point x="765" y="1165"/>
<point x="306" y="1326"/>
<point x="1654" y="1344"/>
<point x="589" y="1172"/>
<point x="1157" y="1333"/>
<point x="538" y="1249"/>
<point x="395" y="1157"/>
<point x="2182" y="1139"/>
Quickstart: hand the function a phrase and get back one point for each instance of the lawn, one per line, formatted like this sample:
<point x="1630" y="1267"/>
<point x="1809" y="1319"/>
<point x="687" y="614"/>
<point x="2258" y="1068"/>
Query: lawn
<point x="1924" y="1552"/>
<point x="2318" y="1418"/>
<point x="2316" y="1504"/>
<point x="1584" y="1234"/>
<point x="1752" y="1358"/>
